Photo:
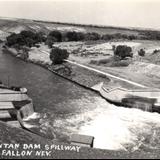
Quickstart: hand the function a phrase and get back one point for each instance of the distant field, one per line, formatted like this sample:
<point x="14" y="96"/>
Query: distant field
<point x="92" y="28"/>
<point x="17" y="25"/>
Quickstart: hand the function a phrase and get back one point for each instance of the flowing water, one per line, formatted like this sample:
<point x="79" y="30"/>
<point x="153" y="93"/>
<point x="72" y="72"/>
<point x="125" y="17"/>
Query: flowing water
<point x="64" y="108"/>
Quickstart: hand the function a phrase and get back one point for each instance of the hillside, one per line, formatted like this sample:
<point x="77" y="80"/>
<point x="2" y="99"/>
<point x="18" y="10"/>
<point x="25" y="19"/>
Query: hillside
<point x="8" y="26"/>
<point x="98" y="53"/>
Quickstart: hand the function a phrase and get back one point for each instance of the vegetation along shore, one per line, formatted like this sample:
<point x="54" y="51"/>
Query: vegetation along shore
<point x="131" y="54"/>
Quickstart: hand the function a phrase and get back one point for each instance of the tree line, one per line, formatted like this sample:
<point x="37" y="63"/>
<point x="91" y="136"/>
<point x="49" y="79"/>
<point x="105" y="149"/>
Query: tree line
<point x="29" y="38"/>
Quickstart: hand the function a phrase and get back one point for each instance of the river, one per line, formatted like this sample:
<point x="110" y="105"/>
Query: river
<point x="64" y="108"/>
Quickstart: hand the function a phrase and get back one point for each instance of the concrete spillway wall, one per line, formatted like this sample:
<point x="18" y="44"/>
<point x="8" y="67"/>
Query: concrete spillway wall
<point x="13" y="102"/>
<point x="27" y="110"/>
<point x="8" y="97"/>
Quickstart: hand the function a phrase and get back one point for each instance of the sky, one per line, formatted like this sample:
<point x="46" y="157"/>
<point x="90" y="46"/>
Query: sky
<point x="123" y="13"/>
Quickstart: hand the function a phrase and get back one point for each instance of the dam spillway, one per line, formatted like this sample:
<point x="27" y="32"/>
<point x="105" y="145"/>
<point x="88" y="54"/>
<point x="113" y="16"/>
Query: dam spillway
<point x="12" y="103"/>
<point x="147" y="99"/>
<point x="68" y="108"/>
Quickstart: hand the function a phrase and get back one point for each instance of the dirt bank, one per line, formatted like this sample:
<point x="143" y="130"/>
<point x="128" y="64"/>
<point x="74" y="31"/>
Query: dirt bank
<point x="73" y="73"/>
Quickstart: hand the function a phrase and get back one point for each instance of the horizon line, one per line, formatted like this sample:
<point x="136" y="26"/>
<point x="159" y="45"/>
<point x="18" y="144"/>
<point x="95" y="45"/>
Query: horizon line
<point x="83" y="24"/>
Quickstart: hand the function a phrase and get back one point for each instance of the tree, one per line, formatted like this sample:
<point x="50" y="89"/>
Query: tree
<point x="156" y="51"/>
<point x="141" y="52"/>
<point x="40" y="37"/>
<point x="123" y="51"/>
<point x="15" y="39"/>
<point x="57" y="55"/>
<point x="27" y="34"/>
<point x="80" y="36"/>
<point x="132" y="37"/>
<point x="25" y="38"/>
<point x="71" y="36"/>
<point x="56" y="36"/>
<point x="53" y="36"/>
<point x="50" y="41"/>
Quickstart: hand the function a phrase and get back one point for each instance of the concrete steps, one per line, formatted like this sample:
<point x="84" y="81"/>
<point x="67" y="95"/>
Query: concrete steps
<point x="6" y="106"/>
<point x="5" y="115"/>
<point x="12" y="102"/>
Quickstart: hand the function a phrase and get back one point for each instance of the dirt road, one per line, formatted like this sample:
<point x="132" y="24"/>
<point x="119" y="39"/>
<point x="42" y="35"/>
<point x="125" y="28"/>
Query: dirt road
<point x="107" y="74"/>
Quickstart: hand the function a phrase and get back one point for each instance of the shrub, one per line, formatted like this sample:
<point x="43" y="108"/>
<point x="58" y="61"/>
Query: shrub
<point x="141" y="52"/>
<point x="93" y="61"/>
<point x="104" y="61"/>
<point x="71" y="36"/>
<point x="92" y="36"/>
<point x="150" y="35"/>
<point x="50" y="41"/>
<point x="132" y="37"/>
<point x="57" y="55"/>
<point x="123" y="51"/>
<point x="100" y="61"/>
<point x="4" y="46"/>
<point x="122" y="63"/>
<point x="40" y="37"/>
<point x="156" y="51"/>
<point x="80" y="36"/>
<point x="118" y="36"/>
<point x="75" y="36"/>
<point x="107" y="37"/>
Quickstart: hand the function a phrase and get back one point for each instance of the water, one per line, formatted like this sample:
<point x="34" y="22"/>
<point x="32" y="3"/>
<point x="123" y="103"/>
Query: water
<point x="64" y="108"/>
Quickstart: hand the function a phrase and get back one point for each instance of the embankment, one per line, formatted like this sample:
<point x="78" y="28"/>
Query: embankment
<point x="78" y="75"/>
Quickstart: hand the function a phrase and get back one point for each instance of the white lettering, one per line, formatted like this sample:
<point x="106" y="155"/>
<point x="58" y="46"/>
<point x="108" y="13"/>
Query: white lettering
<point x="43" y="153"/>
<point x="31" y="146"/>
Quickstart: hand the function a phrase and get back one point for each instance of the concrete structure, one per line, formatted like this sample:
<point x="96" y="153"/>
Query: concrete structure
<point x="82" y="140"/>
<point x="147" y="99"/>
<point x="13" y="101"/>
